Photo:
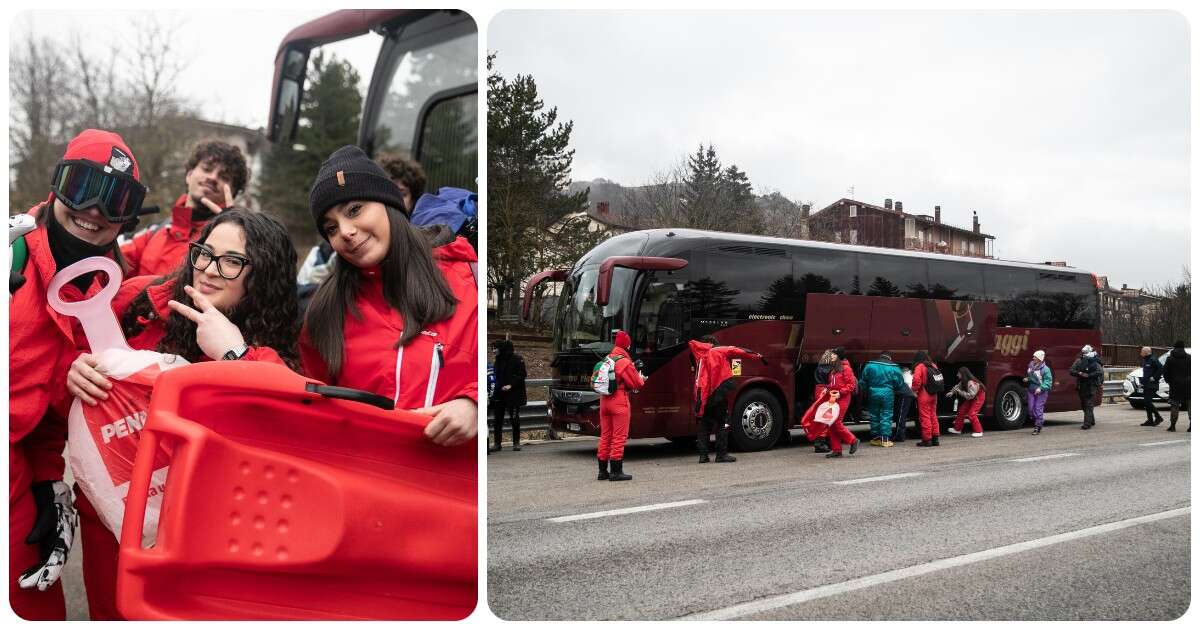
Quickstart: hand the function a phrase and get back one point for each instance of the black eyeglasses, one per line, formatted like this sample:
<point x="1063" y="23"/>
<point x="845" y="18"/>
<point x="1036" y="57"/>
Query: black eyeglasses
<point x="229" y="266"/>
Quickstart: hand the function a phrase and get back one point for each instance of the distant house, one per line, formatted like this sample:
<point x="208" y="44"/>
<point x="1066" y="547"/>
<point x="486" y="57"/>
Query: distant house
<point x="1126" y="304"/>
<point x="860" y="223"/>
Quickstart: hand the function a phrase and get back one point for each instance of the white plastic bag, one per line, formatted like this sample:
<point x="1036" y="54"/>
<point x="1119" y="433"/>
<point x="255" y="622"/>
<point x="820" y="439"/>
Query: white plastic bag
<point x="827" y="412"/>
<point x="102" y="441"/>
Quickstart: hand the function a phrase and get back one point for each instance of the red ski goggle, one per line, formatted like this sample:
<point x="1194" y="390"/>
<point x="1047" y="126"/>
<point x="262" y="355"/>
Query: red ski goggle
<point x="81" y="184"/>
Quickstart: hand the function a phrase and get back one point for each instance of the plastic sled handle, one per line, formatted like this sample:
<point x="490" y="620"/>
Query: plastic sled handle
<point x="96" y="315"/>
<point x="356" y="395"/>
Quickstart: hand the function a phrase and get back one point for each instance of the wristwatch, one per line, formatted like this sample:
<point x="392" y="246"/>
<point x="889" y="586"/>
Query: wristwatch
<point x="235" y="353"/>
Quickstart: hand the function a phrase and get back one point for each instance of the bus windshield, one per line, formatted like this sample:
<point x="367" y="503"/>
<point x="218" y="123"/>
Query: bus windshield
<point x="583" y="324"/>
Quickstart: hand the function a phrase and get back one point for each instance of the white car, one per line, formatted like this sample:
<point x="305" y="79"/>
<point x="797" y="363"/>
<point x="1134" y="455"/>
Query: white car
<point x="1133" y="385"/>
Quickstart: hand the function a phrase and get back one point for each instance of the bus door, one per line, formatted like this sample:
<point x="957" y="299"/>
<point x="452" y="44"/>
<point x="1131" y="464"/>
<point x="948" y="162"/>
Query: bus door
<point x="660" y="339"/>
<point x="898" y="326"/>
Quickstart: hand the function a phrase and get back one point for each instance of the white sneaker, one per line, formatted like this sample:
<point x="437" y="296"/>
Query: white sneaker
<point x="976" y="435"/>
<point x="954" y="431"/>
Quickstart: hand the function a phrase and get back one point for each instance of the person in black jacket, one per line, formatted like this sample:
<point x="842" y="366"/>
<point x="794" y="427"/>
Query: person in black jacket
<point x="509" y="394"/>
<point x="1178" y="373"/>
<point x="1089" y="377"/>
<point x="1151" y="374"/>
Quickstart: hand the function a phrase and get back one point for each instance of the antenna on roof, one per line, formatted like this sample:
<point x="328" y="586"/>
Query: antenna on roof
<point x="850" y="191"/>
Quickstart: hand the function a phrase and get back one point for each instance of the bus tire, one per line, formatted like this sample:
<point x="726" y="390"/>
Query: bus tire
<point x="1009" y="411"/>
<point x="756" y="422"/>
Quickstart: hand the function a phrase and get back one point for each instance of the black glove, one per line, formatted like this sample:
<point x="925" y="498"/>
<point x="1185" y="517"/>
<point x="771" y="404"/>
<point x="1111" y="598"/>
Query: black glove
<point x="638" y="364"/>
<point x="764" y="359"/>
<point x="53" y="531"/>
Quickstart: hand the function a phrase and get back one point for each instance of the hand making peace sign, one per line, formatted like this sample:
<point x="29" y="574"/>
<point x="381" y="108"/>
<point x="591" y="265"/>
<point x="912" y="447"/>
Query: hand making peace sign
<point x="215" y="334"/>
<point x="214" y="207"/>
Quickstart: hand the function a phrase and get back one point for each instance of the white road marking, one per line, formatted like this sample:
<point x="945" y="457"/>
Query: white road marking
<point x="799" y="597"/>
<point x="1041" y="457"/>
<point x="850" y="482"/>
<point x="631" y="510"/>
<point x="1160" y="443"/>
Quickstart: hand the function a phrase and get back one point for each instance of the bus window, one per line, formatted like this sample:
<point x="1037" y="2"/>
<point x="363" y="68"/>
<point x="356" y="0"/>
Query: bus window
<point x="894" y="276"/>
<point x="1016" y="291"/>
<point x="740" y="284"/>
<point x="663" y="318"/>
<point x="448" y="141"/>
<point x="1069" y="300"/>
<point x="826" y="271"/>
<point x="434" y="56"/>
<point x="955" y="281"/>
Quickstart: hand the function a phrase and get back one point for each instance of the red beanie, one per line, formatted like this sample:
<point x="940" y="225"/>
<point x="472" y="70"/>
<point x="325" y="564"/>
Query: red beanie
<point x="105" y="148"/>
<point x="622" y="339"/>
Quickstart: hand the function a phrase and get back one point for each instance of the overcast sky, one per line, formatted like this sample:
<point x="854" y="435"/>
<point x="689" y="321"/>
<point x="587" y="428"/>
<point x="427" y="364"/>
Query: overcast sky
<point x="229" y="54"/>
<point x="1068" y="132"/>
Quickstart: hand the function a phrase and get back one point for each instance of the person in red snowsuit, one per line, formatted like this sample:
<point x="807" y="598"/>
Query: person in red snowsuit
<point x="155" y="315"/>
<point x="216" y="174"/>
<point x="614" y="412"/>
<point x="838" y="388"/>
<point x="973" y="394"/>
<point x="926" y="402"/>
<point x="397" y="315"/>
<point x="95" y="190"/>
<point x="715" y="385"/>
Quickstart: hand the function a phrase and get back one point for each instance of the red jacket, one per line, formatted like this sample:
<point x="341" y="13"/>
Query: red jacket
<point x="156" y="323"/>
<point x="41" y="346"/>
<point x="844" y="382"/>
<point x="628" y="378"/>
<point x="918" y="384"/>
<point x="714" y="365"/>
<point x="410" y="375"/>
<point x="160" y="252"/>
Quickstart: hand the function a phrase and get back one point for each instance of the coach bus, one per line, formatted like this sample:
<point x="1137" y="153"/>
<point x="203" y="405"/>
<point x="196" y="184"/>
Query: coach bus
<point x="791" y="300"/>
<point x="423" y="90"/>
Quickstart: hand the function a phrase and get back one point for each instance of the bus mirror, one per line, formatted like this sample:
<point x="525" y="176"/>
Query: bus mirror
<point x="641" y="263"/>
<point x="289" y="87"/>
<point x="553" y="275"/>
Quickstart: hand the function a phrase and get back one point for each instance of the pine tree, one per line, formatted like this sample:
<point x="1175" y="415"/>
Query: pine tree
<point x="329" y="118"/>
<point x="529" y="169"/>
<point x="702" y="189"/>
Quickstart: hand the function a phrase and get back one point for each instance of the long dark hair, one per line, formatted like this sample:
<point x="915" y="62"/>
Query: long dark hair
<point x="412" y="285"/>
<point x="921" y="357"/>
<point x="266" y="314"/>
<point x="965" y="376"/>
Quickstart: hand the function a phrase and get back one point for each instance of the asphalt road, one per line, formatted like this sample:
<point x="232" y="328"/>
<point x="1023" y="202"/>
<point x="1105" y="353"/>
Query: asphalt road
<point x="1067" y="525"/>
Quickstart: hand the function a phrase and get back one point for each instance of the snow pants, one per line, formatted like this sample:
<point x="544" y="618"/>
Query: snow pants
<point x="970" y="409"/>
<point x="881" y="405"/>
<point x="614" y="426"/>
<point x="927" y="415"/>
<point x="31" y="604"/>
<point x="1037" y="406"/>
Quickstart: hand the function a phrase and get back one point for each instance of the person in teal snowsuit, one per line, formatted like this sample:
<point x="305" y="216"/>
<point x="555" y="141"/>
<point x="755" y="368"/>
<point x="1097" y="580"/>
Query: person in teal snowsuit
<point x="882" y="380"/>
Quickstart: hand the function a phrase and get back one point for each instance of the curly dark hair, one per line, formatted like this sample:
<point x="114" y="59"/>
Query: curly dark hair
<point x="267" y="315"/>
<point x="408" y="171"/>
<point x="230" y="158"/>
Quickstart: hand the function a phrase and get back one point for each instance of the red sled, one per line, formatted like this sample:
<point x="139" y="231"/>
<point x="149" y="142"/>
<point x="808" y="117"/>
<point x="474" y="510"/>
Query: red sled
<point x="284" y="500"/>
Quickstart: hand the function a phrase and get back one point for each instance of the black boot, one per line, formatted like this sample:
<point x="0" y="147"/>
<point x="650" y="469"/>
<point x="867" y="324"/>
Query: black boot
<point x="723" y="446"/>
<point x="821" y="445"/>
<point x="516" y="427"/>
<point x="925" y="443"/>
<point x="617" y="473"/>
<point x="702" y="442"/>
<point x="603" y="476"/>
<point x="1174" y="417"/>
<point x="934" y="441"/>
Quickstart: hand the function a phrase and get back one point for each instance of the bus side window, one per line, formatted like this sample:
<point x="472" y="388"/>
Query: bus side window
<point x="661" y="317"/>
<point x="447" y="146"/>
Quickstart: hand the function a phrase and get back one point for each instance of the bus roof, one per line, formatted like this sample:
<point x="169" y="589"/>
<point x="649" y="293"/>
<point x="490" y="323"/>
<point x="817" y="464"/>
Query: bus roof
<point x="669" y="241"/>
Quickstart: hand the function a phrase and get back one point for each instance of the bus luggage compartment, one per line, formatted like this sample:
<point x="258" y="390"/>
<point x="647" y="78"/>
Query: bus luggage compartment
<point x="282" y="503"/>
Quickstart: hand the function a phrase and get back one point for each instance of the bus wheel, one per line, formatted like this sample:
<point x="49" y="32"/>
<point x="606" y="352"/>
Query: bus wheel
<point x="1010" y="412"/>
<point x="756" y="421"/>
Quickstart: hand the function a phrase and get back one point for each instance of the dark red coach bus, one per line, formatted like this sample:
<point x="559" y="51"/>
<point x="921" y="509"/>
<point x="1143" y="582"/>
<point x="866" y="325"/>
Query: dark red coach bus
<point x="791" y="300"/>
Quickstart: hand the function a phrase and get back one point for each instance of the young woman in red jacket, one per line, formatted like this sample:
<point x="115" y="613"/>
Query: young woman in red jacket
<point x="397" y="315"/>
<point x="926" y="402"/>
<point x="94" y="190"/>
<point x="233" y="298"/>
<point x="614" y="413"/>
